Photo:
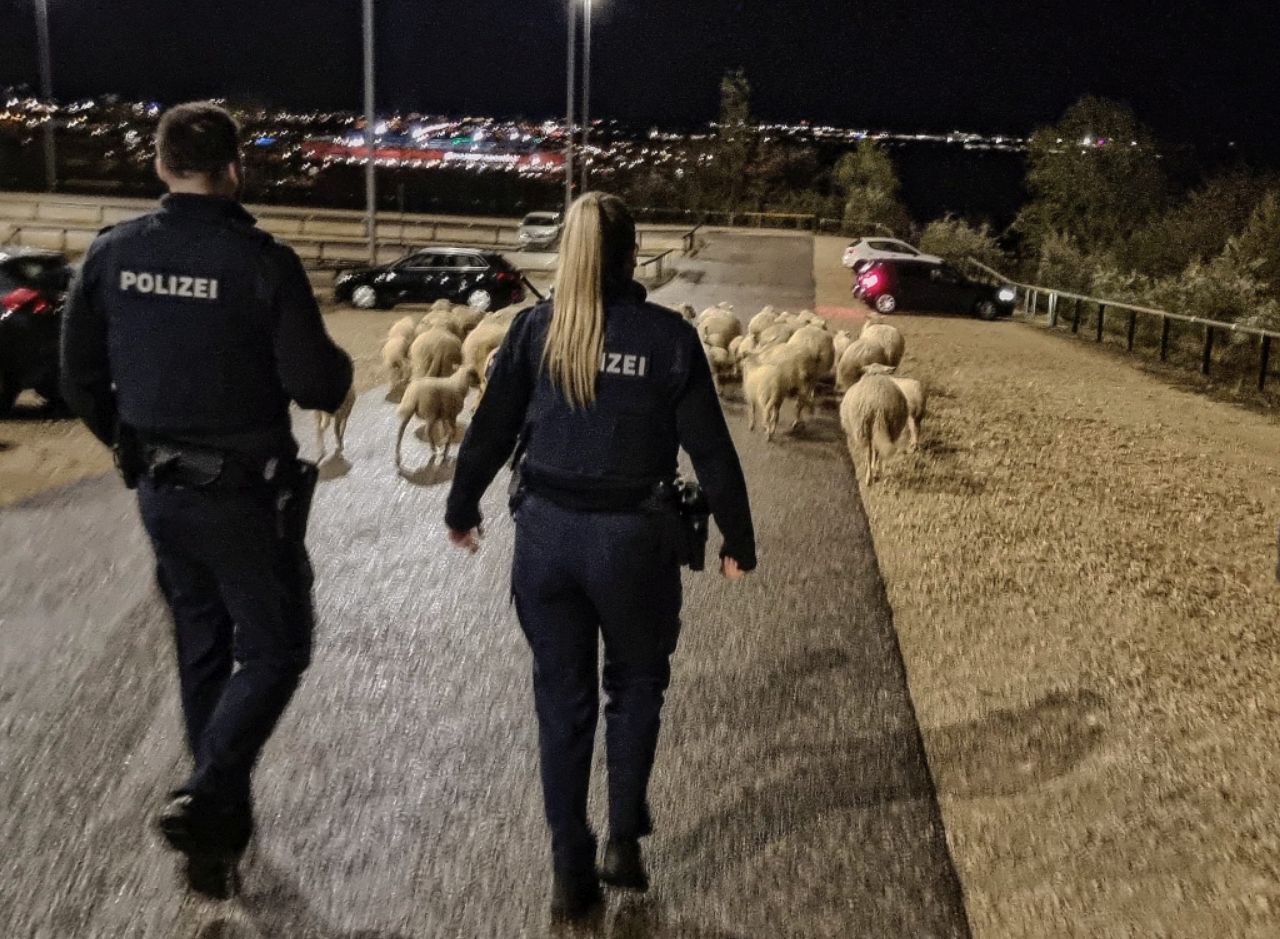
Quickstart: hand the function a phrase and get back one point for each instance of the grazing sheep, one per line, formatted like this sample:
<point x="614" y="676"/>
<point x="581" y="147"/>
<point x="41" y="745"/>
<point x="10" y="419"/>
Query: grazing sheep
<point x="338" y="419"/>
<point x="862" y="353"/>
<point x="887" y="336"/>
<point x="873" y="415"/>
<point x="403" y="327"/>
<point x="436" y="402"/>
<point x="395" y="359"/>
<point x="802" y="371"/>
<point x="917" y="399"/>
<point x="435" y="354"/>
<point x="439" y="319"/>
<point x="762" y="321"/>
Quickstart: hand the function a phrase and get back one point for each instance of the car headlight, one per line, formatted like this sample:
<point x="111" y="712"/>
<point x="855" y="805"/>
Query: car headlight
<point x="1007" y="295"/>
<point x="344" y="279"/>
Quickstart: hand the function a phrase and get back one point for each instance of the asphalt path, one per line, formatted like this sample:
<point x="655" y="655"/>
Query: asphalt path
<point x="399" y="796"/>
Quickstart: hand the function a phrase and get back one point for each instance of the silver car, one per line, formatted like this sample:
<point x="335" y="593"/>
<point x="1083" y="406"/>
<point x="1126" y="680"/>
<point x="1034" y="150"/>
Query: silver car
<point x="539" y="230"/>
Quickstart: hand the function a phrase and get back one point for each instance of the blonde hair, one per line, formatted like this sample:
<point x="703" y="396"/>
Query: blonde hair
<point x="597" y="242"/>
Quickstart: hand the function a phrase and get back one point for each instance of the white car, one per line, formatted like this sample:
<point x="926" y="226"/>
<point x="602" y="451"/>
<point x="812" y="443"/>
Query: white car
<point x="539" y="230"/>
<point x="876" y="249"/>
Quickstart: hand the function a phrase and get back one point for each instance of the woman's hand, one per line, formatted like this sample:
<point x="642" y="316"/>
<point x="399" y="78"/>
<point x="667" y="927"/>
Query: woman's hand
<point x="466" y="540"/>
<point x="730" y="570"/>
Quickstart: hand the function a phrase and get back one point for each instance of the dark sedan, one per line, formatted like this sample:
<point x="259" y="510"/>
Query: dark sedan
<point x="33" y="287"/>
<point x="484" y="280"/>
<point x="927" y="285"/>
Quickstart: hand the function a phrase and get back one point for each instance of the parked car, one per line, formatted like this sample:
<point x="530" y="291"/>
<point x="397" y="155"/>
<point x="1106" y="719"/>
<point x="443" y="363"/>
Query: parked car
<point x="874" y="249"/>
<point x="484" y="280"/>
<point x="539" y="230"/>
<point x="889" y="286"/>
<point x="33" y="288"/>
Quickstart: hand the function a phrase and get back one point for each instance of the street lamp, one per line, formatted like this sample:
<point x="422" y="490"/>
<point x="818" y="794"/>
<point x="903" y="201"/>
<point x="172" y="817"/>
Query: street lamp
<point x="568" y="150"/>
<point x="46" y="91"/>
<point x="370" y="172"/>
<point x="586" y="92"/>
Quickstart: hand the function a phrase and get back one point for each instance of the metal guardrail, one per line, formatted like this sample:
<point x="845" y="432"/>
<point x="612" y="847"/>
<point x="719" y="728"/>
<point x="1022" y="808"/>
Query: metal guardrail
<point x="1031" y="295"/>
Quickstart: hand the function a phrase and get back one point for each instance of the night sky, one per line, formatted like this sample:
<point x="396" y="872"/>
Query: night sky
<point x="1193" y="70"/>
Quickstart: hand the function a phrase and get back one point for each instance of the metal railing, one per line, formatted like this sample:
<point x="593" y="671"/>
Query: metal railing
<point x="1032" y="295"/>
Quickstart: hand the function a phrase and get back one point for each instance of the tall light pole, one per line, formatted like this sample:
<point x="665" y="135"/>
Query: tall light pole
<point x="568" y="150"/>
<point x="46" y="91"/>
<point x="586" y="93"/>
<point x="370" y="137"/>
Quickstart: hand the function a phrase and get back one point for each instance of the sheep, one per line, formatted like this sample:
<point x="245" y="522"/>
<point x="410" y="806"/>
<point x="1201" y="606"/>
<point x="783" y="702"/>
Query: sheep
<point x="718" y="327"/>
<point x="762" y="321"/>
<point x="841" y="341"/>
<point x="436" y="402"/>
<point x="810" y="318"/>
<point x="466" y="319"/>
<point x="395" y="359"/>
<point x="735" y="347"/>
<point x="688" y="312"/>
<point x="859" y="354"/>
<point x="403" y="327"/>
<point x="821" y="347"/>
<point x="435" y="354"/>
<point x="917" y="399"/>
<point x="873" y="414"/>
<point x="780" y="373"/>
<point x="889" y="337"/>
<point x="484" y="375"/>
<point x="442" y="305"/>
<point x="778" y="333"/>
<point x="722" y="365"/>
<point x="486" y="337"/>
<point x="439" y="319"/>
<point x="338" y="419"/>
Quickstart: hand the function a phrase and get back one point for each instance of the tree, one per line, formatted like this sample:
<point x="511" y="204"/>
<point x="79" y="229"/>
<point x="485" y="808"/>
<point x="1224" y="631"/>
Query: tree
<point x="1095" y="177"/>
<point x="734" y="146"/>
<point x="955" y="239"/>
<point x="867" y="183"/>
<point x="1258" y="247"/>
<point x="1197" y="229"/>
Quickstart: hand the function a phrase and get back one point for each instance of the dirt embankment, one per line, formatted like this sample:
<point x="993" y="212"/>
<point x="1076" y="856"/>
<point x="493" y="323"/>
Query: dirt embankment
<point x="1082" y="565"/>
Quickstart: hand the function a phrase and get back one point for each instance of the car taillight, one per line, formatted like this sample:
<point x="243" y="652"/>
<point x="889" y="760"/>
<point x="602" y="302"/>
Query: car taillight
<point x="869" y="281"/>
<point x="508" y="277"/>
<point x="24" y="298"/>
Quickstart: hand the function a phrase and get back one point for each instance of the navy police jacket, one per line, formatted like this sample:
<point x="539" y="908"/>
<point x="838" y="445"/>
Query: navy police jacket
<point x="193" y="324"/>
<point x="654" y="395"/>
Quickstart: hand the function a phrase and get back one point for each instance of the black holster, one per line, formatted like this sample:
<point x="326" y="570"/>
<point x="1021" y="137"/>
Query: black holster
<point x="690" y="504"/>
<point x="297" y="489"/>
<point x="128" y="456"/>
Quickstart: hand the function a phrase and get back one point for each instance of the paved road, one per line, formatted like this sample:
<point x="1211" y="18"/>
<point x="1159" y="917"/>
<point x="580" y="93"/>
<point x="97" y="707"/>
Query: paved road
<point x="399" y="799"/>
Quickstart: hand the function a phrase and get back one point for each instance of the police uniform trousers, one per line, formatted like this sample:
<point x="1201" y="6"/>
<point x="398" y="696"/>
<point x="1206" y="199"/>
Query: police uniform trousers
<point x="240" y="594"/>
<point x="578" y="576"/>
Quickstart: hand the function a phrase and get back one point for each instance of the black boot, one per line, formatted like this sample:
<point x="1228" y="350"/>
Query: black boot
<point x="213" y="838"/>
<point x="574" y="897"/>
<point x="624" y="865"/>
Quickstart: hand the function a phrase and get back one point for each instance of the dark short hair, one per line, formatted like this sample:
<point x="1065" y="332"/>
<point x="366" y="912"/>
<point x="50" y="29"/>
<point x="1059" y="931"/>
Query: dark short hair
<point x="197" y="138"/>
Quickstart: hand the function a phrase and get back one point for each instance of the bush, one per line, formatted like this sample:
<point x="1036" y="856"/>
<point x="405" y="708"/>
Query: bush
<point x="955" y="239"/>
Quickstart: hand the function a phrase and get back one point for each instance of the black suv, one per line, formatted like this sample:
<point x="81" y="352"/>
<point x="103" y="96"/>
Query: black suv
<point x="33" y="287"/>
<point x="891" y="285"/>
<point x="484" y="280"/>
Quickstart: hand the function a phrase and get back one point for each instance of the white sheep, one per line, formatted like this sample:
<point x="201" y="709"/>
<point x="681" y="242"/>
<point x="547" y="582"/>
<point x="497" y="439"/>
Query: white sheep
<point x="688" y="312"/>
<point x="810" y="318"/>
<point x="440" y="319"/>
<point x="402" y="327"/>
<point x="723" y="366"/>
<point x="338" y="420"/>
<point x="435" y="354"/>
<point x="873" y="414"/>
<point x="718" y="327"/>
<point x="486" y="337"/>
<point x="887" y="336"/>
<point x="436" y="402"/>
<point x="821" y="347"/>
<point x="395" y="359"/>
<point x="778" y="333"/>
<point x="762" y="321"/>
<point x="769" y="379"/>
<point x="841" y="341"/>
<point x="917" y="400"/>
<point x="857" y="356"/>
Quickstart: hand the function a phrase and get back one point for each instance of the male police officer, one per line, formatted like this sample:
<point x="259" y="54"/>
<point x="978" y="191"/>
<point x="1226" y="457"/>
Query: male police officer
<point x="187" y="333"/>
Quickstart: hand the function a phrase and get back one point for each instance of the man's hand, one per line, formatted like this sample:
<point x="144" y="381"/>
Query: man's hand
<point x="466" y="540"/>
<point x="730" y="570"/>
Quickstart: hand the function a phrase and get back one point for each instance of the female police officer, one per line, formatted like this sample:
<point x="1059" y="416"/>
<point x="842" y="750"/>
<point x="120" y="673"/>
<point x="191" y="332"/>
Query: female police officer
<point x="601" y="388"/>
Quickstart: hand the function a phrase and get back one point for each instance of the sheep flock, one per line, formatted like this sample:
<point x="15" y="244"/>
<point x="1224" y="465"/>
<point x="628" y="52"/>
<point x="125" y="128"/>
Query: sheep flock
<point x="432" y="363"/>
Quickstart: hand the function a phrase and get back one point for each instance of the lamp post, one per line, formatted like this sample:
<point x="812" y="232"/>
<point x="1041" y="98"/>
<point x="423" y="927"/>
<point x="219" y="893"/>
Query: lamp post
<point x="568" y="150"/>
<point x="586" y="92"/>
<point x="46" y="92"/>
<point x="370" y="138"/>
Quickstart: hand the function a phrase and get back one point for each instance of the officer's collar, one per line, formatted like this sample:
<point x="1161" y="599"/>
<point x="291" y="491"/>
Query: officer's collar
<point x="625" y="291"/>
<point x="186" y="203"/>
